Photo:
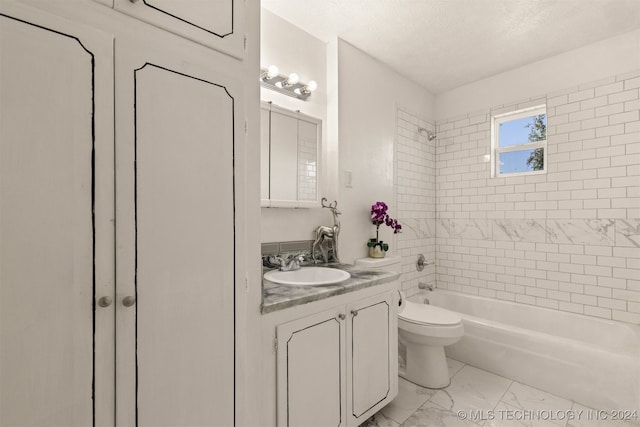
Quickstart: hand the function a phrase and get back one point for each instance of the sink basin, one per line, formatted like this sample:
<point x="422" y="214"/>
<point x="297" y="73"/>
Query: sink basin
<point x="308" y="276"/>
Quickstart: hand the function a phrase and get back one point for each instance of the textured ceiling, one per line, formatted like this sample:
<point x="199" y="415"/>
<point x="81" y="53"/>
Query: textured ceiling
<point x="443" y="44"/>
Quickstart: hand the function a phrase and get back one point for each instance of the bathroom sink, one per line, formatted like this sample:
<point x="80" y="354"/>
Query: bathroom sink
<point x="308" y="276"/>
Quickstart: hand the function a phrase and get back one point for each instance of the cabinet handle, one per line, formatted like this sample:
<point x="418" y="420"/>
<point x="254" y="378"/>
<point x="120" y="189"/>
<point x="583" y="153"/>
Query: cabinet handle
<point x="128" y="301"/>
<point x="133" y="1"/>
<point x="354" y="313"/>
<point x="341" y="316"/>
<point x="105" y="302"/>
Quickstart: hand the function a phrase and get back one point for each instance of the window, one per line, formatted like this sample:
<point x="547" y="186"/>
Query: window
<point x="519" y="142"/>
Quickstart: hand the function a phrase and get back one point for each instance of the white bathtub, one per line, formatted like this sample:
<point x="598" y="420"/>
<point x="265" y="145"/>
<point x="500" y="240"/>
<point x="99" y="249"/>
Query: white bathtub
<point x="595" y="362"/>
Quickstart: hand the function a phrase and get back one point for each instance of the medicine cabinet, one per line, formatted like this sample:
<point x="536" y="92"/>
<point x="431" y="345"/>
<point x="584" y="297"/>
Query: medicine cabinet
<point x="290" y="144"/>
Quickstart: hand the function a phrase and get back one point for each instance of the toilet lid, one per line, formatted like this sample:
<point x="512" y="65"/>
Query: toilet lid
<point x="428" y="315"/>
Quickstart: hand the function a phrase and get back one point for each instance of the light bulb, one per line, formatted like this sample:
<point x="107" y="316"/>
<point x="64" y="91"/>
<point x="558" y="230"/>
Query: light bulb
<point x="311" y="86"/>
<point x="272" y="71"/>
<point x="293" y="79"/>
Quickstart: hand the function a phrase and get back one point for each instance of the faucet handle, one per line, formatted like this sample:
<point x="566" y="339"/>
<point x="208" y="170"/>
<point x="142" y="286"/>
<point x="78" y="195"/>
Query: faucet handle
<point x="278" y="260"/>
<point x="295" y="261"/>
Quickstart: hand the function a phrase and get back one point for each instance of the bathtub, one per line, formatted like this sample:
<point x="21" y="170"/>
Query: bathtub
<point x="595" y="362"/>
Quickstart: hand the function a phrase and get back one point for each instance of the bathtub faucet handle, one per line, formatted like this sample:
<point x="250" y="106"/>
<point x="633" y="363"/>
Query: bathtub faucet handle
<point x="421" y="263"/>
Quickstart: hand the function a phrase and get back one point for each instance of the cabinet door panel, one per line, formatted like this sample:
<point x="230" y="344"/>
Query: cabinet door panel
<point x="284" y="157"/>
<point x="373" y="366"/>
<point x="185" y="247"/>
<point x="56" y="234"/>
<point x="311" y="371"/>
<point x="176" y="222"/>
<point x="215" y="23"/>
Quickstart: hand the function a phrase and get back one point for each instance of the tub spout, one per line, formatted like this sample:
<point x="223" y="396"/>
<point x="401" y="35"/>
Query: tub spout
<point x="422" y="285"/>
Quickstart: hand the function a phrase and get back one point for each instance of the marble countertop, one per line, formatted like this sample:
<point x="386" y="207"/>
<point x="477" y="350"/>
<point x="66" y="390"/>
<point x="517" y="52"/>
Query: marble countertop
<point x="277" y="297"/>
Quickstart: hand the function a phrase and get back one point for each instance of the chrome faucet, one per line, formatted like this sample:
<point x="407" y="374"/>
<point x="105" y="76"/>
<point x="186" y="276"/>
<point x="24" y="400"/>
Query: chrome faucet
<point x="290" y="264"/>
<point x="422" y="285"/>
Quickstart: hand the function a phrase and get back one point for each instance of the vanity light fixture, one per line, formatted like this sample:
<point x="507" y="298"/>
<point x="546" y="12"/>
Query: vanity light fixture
<point x="290" y="85"/>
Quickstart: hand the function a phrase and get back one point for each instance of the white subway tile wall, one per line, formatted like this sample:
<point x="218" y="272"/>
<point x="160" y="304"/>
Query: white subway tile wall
<point x="415" y="185"/>
<point x="568" y="239"/>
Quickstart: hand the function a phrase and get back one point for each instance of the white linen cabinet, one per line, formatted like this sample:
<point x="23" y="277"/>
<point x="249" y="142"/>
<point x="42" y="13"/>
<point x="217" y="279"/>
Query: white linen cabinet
<point x="117" y="256"/>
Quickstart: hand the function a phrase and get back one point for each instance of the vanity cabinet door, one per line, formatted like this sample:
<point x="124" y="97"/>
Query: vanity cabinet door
<point x="311" y="389"/>
<point x="218" y="24"/>
<point x="372" y="356"/>
<point x="56" y="229"/>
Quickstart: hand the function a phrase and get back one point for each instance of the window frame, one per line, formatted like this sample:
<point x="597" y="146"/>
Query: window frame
<point x="496" y="150"/>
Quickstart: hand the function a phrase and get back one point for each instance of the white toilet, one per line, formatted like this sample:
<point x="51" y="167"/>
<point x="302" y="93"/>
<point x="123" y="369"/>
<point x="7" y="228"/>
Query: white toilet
<point x="424" y="330"/>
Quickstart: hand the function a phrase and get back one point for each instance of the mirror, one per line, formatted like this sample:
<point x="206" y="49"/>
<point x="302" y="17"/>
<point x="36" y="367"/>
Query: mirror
<point x="290" y="158"/>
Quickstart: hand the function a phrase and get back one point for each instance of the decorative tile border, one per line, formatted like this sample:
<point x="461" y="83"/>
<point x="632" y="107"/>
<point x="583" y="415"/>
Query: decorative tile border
<point x="597" y="232"/>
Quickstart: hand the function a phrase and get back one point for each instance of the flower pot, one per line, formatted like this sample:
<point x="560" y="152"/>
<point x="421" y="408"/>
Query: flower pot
<point x="377" y="252"/>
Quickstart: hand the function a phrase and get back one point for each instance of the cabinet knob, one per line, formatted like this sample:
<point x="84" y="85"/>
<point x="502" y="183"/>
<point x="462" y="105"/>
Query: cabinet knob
<point x="354" y="313"/>
<point x="341" y="316"/>
<point x="105" y="302"/>
<point x="128" y="301"/>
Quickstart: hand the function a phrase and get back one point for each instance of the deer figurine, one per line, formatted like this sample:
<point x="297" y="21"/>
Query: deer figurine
<point x="324" y="232"/>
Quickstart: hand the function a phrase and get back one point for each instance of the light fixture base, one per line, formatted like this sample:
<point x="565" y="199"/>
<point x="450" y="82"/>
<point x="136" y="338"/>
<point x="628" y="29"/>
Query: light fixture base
<point x="280" y="85"/>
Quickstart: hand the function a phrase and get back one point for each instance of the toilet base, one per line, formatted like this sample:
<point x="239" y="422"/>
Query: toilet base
<point x="427" y="366"/>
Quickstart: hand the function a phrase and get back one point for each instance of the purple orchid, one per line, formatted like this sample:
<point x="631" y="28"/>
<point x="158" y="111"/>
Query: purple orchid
<point x="379" y="216"/>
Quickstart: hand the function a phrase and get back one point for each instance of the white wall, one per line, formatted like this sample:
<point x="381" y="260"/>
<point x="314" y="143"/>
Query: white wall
<point x="294" y="50"/>
<point x="415" y="190"/>
<point x="356" y="99"/>
<point x="590" y="63"/>
<point x="568" y="239"/>
<point x="369" y="93"/>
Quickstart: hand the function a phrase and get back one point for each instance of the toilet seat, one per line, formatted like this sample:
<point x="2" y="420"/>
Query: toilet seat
<point x="428" y="315"/>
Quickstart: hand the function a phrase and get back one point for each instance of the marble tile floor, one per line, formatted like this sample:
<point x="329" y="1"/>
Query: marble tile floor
<point x="479" y="398"/>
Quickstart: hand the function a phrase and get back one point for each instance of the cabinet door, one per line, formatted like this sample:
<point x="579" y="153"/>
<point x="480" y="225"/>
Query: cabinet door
<point x="310" y="371"/>
<point x="290" y="161"/>
<point x="56" y="229"/>
<point x="283" y="183"/>
<point x="177" y="122"/>
<point x="372" y="356"/>
<point x="218" y="24"/>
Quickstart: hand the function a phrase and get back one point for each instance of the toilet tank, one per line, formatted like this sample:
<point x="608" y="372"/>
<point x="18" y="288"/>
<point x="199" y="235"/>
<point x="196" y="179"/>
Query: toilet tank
<point x="388" y="263"/>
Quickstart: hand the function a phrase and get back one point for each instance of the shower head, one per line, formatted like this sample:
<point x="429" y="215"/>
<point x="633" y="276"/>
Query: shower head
<point x="430" y="135"/>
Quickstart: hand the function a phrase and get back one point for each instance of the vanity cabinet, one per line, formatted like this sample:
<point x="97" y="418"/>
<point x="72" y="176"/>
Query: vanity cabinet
<point x="337" y="367"/>
<point x="218" y="24"/>
<point x="117" y="289"/>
